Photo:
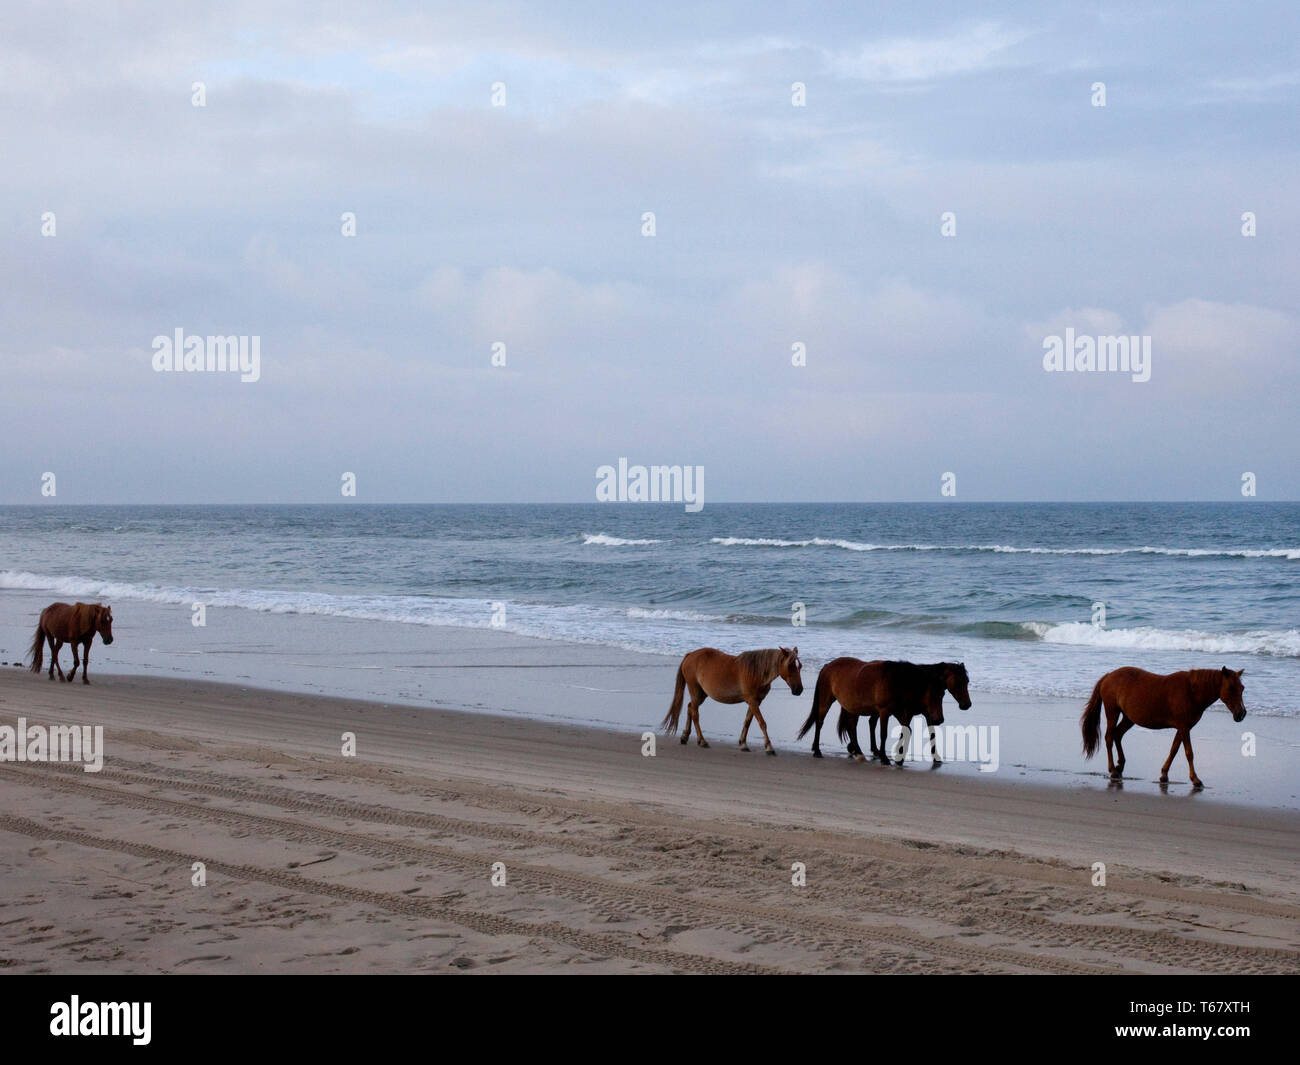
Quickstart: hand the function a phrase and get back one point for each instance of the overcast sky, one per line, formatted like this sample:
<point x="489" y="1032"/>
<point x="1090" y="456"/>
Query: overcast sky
<point x="522" y="224"/>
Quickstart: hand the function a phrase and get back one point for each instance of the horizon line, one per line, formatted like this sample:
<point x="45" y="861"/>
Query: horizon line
<point x="629" y="503"/>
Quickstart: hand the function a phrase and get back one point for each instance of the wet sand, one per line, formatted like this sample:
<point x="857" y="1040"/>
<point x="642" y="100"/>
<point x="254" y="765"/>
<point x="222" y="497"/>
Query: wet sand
<point x="612" y="861"/>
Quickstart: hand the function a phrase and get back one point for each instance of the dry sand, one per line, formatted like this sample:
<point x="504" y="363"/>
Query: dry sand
<point x="614" y="862"/>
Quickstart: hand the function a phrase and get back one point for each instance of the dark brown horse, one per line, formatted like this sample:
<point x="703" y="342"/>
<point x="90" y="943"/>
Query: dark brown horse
<point x="883" y="690"/>
<point x="77" y="625"/>
<point x="1133" y="696"/>
<point x="742" y="678"/>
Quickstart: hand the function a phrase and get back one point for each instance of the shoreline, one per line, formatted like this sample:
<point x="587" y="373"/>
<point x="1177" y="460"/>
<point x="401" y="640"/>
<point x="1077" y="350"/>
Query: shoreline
<point x="615" y="861"/>
<point x="491" y="671"/>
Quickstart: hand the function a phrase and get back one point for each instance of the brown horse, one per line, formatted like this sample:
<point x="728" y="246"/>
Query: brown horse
<point x="883" y="690"/>
<point x="1175" y="700"/>
<point x="742" y="678"/>
<point x="77" y="625"/>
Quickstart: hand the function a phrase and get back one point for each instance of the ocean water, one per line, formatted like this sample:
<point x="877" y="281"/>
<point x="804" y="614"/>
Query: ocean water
<point x="1007" y="588"/>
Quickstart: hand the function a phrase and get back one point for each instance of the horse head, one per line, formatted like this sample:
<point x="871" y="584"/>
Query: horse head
<point x="104" y="623"/>
<point x="1231" y="690"/>
<point x="956" y="681"/>
<point x="790" y="669"/>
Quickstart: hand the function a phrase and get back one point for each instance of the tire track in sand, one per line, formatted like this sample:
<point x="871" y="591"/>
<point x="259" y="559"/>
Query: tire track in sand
<point x="670" y="905"/>
<point x="489" y="924"/>
<point x="1172" y="947"/>
<point x="509" y="798"/>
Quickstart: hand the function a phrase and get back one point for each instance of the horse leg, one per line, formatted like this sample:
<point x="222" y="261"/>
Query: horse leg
<point x="697" y="698"/>
<point x="744" y="731"/>
<point x="1112" y="712"/>
<point x="817" y="732"/>
<point x="934" y="754"/>
<point x="692" y="718"/>
<point x="76" y="662"/>
<point x="1125" y="723"/>
<point x="699" y="736"/>
<point x="884" y="736"/>
<point x="871" y="734"/>
<point x="1164" y="769"/>
<point x="85" y="662"/>
<point x="1187" y="750"/>
<point x="757" y="714"/>
<point x="904" y="740"/>
<point x="855" y="749"/>
<point x="54" y="658"/>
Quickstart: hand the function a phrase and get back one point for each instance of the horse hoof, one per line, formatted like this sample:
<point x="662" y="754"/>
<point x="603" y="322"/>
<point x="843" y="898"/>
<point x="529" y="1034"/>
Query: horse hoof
<point x="744" y="748"/>
<point x="684" y="739"/>
<point x="1116" y="774"/>
<point x="769" y="750"/>
<point x="704" y="743"/>
<point x="1197" y="785"/>
<point x="859" y="757"/>
<point x="817" y="754"/>
<point x="1164" y="778"/>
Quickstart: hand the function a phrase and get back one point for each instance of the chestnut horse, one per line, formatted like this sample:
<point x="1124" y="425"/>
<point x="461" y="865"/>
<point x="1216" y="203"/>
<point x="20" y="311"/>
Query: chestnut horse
<point x="883" y="690"/>
<point x="1175" y="700"/>
<point x="742" y="678"/>
<point x="61" y="623"/>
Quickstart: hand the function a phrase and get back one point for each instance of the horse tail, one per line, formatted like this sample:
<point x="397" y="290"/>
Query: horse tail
<point x="843" y="726"/>
<point x="669" y="723"/>
<point x="1091" y="720"/>
<point x="38" y="648"/>
<point x="819" y="697"/>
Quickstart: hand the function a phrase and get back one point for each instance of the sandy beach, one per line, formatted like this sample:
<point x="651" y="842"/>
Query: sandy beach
<point x="613" y="861"/>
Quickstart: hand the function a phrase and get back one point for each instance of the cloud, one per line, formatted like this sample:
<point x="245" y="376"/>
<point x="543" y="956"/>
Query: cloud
<point x="1093" y="321"/>
<point x="777" y="224"/>
<point x="1225" y="346"/>
<point x="1197" y="345"/>
<point x="976" y="48"/>
<point x="543" y="311"/>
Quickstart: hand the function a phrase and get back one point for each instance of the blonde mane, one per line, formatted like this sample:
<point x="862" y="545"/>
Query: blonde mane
<point x="759" y="667"/>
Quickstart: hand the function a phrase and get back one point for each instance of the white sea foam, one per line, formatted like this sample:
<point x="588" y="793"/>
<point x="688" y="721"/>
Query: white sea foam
<point x="407" y="609"/>
<point x="614" y="541"/>
<point x="574" y="621"/>
<point x="657" y="614"/>
<point x="996" y="664"/>
<point x="582" y="621"/>
<point x="1289" y="553"/>
<point x="817" y="541"/>
<point x="1283" y="643"/>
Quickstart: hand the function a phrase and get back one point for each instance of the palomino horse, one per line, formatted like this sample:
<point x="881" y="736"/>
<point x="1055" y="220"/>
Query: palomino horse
<point x="1176" y="700"/>
<point x="742" y="678"/>
<point x="77" y="625"/>
<point x="883" y="690"/>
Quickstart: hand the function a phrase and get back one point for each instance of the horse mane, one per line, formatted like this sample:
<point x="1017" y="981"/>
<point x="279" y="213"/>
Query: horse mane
<point x="759" y="666"/>
<point x="85" y="616"/>
<point x="1206" y="682"/>
<point x="931" y="675"/>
